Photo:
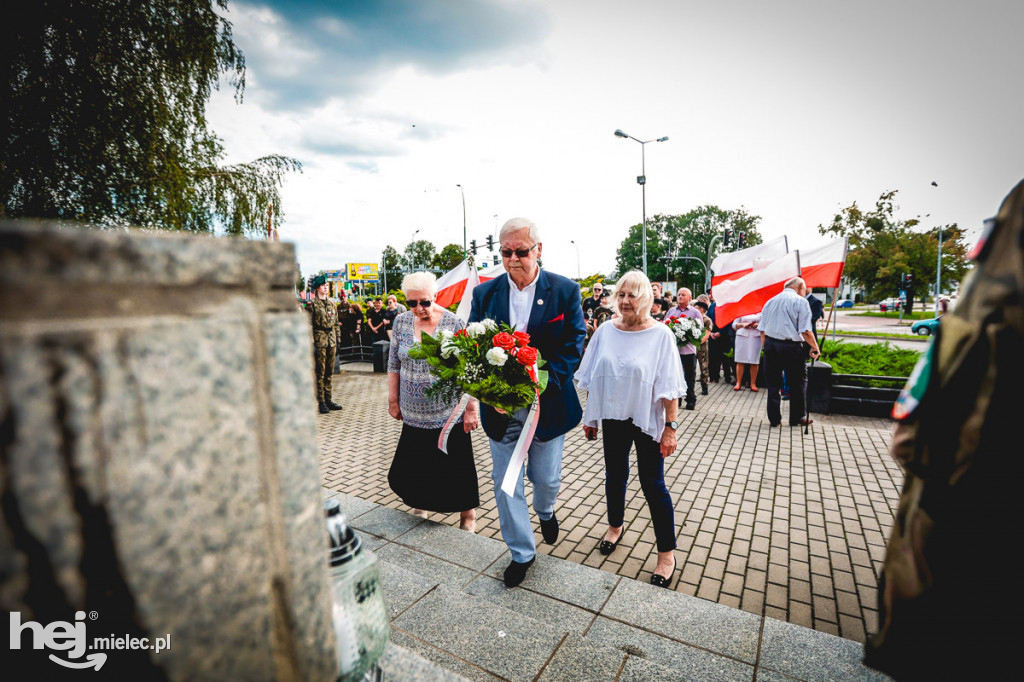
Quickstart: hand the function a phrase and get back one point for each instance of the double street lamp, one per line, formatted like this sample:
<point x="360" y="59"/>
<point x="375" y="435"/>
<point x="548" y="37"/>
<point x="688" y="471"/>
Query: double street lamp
<point x="642" y="181"/>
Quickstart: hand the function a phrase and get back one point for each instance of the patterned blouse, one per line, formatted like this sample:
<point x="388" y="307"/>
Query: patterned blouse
<point x="418" y="410"/>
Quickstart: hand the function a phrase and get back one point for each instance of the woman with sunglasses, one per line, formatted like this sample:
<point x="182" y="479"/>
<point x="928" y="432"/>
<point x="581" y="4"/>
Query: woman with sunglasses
<point x="423" y="476"/>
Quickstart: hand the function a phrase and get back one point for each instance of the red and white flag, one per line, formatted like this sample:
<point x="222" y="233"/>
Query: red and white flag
<point x="823" y="266"/>
<point x="458" y="283"/>
<point x="736" y="264"/>
<point x="748" y="294"/>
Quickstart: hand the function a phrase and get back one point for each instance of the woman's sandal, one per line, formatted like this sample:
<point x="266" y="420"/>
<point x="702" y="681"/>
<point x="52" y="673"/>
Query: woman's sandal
<point x="606" y="547"/>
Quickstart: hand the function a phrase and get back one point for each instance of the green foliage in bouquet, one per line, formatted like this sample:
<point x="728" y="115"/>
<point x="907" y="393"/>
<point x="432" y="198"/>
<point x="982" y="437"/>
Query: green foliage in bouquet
<point x="486" y="360"/>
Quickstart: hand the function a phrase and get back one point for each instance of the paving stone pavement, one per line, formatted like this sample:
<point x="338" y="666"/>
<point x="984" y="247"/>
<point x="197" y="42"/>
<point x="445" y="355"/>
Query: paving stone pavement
<point x="769" y="521"/>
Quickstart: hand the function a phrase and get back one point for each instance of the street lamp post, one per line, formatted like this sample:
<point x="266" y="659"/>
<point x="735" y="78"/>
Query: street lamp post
<point x="938" y="267"/>
<point x="642" y="181"/>
<point x="465" y="250"/>
<point x="573" y="242"/>
<point x="412" y="251"/>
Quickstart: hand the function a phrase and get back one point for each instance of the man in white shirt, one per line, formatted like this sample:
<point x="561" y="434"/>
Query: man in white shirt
<point x="785" y="328"/>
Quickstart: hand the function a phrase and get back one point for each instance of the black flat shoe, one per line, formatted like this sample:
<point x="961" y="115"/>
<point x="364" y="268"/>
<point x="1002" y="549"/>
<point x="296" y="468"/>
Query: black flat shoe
<point x="606" y="547"/>
<point x="516" y="572"/>
<point x="549" y="529"/>
<point x="662" y="581"/>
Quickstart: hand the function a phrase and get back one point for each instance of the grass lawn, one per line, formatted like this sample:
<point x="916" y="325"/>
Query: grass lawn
<point x="916" y="315"/>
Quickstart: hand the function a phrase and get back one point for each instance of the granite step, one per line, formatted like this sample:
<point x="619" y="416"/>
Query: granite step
<point x="567" y="621"/>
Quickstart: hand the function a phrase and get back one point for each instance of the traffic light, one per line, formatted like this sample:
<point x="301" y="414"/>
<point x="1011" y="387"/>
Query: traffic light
<point x="908" y="281"/>
<point x="742" y="240"/>
<point x="472" y="246"/>
<point x="728" y="236"/>
<point x="490" y="242"/>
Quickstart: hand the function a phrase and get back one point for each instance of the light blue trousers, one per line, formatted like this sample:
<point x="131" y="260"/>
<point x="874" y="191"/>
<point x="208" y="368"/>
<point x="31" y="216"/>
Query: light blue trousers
<point x="544" y="468"/>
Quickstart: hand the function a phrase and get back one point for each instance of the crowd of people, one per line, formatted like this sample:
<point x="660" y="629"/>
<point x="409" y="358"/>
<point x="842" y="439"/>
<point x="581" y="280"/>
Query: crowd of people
<point x="614" y="345"/>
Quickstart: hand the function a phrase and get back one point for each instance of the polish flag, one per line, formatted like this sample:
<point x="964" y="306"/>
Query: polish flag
<point x="458" y="283"/>
<point x="748" y="294"/>
<point x="735" y="264"/>
<point x="823" y="266"/>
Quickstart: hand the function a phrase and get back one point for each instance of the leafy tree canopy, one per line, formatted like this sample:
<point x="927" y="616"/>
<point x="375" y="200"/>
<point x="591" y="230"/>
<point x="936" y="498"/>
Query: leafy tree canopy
<point x="391" y="258"/>
<point x="884" y="247"/>
<point x="105" y="116"/>
<point x="419" y="254"/>
<point x="449" y="257"/>
<point x="672" y="237"/>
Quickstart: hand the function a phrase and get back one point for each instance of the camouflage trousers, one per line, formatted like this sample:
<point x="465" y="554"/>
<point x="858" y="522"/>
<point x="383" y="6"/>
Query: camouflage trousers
<point x="324" y="358"/>
<point x="702" y="358"/>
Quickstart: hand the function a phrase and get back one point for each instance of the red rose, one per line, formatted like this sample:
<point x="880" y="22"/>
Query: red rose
<point x="462" y="332"/>
<point x="504" y="340"/>
<point x="522" y="337"/>
<point x="527" y="355"/>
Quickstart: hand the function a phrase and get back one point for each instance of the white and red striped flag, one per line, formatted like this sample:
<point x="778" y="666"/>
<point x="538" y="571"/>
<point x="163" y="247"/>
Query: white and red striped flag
<point x="458" y="283"/>
<point x="748" y="294"/>
<point x="736" y="264"/>
<point x="823" y="266"/>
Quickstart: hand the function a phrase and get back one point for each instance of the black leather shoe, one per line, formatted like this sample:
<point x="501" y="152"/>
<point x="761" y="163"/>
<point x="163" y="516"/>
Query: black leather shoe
<point x="549" y="529"/>
<point x="334" y="406"/>
<point x="324" y="409"/>
<point x="703" y="390"/>
<point x="691" y="406"/>
<point x="516" y="572"/>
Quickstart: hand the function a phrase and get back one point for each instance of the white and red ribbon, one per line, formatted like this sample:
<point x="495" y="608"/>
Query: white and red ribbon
<point x="442" y="440"/>
<point x="514" y="471"/>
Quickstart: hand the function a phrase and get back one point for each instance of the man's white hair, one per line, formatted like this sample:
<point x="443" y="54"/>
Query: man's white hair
<point x="795" y="284"/>
<point x="636" y="283"/>
<point x="420" y="281"/>
<point x="516" y="224"/>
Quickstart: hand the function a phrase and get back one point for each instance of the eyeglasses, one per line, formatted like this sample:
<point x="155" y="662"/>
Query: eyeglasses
<point x="425" y="304"/>
<point x="521" y="253"/>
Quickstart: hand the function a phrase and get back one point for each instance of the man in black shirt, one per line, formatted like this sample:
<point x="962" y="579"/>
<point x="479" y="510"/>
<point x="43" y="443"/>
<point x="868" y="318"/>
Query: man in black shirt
<point x="375" y="317"/>
<point x="592" y="302"/>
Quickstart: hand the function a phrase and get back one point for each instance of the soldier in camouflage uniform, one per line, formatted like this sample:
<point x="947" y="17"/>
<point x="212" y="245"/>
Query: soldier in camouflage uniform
<point x="324" y="315"/>
<point x="702" y="351"/>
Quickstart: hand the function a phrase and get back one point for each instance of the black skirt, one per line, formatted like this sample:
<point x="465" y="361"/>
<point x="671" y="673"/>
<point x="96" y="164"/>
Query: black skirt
<point x="426" y="478"/>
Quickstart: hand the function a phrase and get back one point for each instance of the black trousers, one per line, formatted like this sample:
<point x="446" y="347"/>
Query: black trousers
<point x="789" y="357"/>
<point x="690" y="374"/>
<point x="716" y="360"/>
<point x="618" y="436"/>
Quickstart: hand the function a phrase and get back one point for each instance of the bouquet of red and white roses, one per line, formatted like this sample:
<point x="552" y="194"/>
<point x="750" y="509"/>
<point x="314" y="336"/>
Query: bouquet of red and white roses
<point x="686" y="330"/>
<point x="486" y="360"/>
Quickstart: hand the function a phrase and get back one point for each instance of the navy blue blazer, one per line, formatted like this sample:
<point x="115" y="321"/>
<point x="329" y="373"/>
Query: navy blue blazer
<point x="557" y="330"/>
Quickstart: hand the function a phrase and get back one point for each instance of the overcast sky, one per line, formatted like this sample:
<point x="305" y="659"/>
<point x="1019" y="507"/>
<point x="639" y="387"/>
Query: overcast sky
<point x="792" y="109"/>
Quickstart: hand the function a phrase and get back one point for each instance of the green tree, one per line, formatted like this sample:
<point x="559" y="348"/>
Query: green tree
<point x="884" y="247"/>
<point x="449" y="257"/>
<point x="300" y="283"/>
<point x="391" y="258"/>
<point x="671" y="238"/>
<point x="105" y="115"/>
<point x="419" y="254"/>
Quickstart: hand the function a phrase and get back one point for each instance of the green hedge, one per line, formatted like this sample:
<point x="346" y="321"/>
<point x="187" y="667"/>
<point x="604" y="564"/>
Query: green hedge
<point x="879" y="359"/>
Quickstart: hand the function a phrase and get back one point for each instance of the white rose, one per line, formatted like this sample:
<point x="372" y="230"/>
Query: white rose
<point x="496" y="356"/>
<point x="475" y="329"/>
<point x="490" y="324"/>
<point x="448" y="349"/>
<point x="447" y="334"/>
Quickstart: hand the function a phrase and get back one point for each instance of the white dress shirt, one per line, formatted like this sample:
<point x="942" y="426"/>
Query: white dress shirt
<point x="520" y="303"/>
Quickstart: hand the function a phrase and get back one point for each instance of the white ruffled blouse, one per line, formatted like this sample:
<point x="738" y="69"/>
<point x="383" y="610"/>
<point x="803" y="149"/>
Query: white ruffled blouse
<point x="628" y="374"/>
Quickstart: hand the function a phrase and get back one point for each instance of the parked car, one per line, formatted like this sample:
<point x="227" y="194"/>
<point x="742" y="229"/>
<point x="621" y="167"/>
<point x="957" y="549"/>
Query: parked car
<point x="925" y="327"/>
<point x="844" y="303"/>
<point x="889" y="304"/>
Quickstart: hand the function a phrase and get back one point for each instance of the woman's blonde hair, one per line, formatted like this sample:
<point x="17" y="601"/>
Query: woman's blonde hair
<point x="636" y="283"/>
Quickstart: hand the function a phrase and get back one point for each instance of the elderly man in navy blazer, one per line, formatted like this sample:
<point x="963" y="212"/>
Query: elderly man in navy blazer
<point x="548" y="308"/>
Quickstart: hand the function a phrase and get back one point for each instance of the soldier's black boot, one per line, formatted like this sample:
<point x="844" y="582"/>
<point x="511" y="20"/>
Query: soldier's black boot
<point x="324" y="409"/>
<point x="333" y="405"/>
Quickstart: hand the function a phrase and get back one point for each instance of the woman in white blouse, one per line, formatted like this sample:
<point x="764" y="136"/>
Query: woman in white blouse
<point x="632" y="374"/>
<point x="747" y="349"/>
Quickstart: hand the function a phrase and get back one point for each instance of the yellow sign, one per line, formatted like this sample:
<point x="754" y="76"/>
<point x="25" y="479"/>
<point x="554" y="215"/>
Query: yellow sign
<point x="366" y="272"/>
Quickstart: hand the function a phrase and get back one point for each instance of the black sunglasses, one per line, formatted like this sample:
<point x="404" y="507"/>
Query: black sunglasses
<point x="521" y="253"/>
<point x="425" y="304"/>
